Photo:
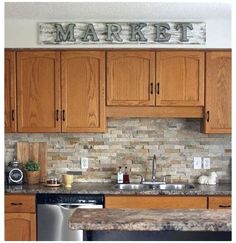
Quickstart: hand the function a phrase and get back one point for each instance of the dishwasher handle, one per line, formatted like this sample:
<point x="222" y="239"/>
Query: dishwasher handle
<point x="70" y="206"/>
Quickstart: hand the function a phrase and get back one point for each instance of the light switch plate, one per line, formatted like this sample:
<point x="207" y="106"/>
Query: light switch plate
<point x="197" y="163"/>
<point x="84" y="163"/>
<point x="206" y="163"/>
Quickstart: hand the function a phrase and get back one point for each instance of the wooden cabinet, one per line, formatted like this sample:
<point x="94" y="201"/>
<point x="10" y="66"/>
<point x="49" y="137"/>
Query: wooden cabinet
<point x="221" y="202"/>
<point x="83" y="91"/>
<point x="38" y="91"/>
<point x="155" y="84"/>
<point x="20" y="218"/>
<point x="64" y="93"/>
<point x="180" y="78"/>
<point x="113" y="201"/>
<point x="218" y="92"/>
<point x="10" y="92"/>
<point x="130" y="78"/>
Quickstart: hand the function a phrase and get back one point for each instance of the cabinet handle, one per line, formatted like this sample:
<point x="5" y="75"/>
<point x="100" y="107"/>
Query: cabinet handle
<point x="63" y="115"/>
<point x="158" y="88"/>
<point x="57" y="115"/>
<point x="151" y="88"/>
<point x="224" y="206"/>
<point x="13" y="115"/>
<point x="208" y="116"/>
<point x="16" y="204"/>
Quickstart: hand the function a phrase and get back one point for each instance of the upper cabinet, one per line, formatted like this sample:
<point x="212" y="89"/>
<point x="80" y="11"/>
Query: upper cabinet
<point x="180" y="78"/>
<point x="175" y="78"/>
<point x="61" y="91"/>
<point x="10" y="92"/>
<point x="218" y="92"/>
<point x="83" y="91"/>
<point x="38" y="91"/>
<point x="130" y="78"/>
<point x="64" y="91"/>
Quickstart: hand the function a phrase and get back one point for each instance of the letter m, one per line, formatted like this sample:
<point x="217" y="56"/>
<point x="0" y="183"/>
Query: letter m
<point x="64" y="35"/>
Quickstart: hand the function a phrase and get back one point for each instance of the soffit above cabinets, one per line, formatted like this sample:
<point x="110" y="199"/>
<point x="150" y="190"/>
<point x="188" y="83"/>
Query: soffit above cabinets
<point x="118" y="11"/>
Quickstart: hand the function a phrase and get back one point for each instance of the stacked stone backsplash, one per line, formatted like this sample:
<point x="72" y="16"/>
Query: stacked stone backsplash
<point x="132" y="143"/>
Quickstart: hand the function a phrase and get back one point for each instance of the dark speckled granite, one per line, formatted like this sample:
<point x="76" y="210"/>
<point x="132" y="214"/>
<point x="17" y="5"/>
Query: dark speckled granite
<point x="107" y="188"/>
<point x="151" y="219"/>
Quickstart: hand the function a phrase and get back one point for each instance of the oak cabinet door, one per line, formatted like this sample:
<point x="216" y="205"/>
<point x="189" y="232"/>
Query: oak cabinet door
<point x="180" y="78"/>
<point x="10" y="92"/>
<point x="20" y="226"/>
<point x="83" y="91"/>
<point x="130" y="78"/>
<point x="218" y="92"/>
<point x="221" y="202"/>
<point x="38" y="91"/>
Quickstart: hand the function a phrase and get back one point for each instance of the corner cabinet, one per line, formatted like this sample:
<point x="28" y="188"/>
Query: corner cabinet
<point x="218" y="92"/>
<point x="180" y="78"/>
<point x="20" y="217"/>
<point x="83" y="91"/>
<point x="130" y="78"/>
<point x="38" y="91"/>
<point x="10" y="92"/>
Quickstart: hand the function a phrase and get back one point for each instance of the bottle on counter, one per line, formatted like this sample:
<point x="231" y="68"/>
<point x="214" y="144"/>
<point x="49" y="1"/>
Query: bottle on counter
<point x="126" y="176"/>
<point x="119" y="176"/>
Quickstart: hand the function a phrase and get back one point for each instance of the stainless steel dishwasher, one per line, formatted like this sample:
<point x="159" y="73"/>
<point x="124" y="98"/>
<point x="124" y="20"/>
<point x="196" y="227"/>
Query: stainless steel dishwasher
<point x="53" y="211"/>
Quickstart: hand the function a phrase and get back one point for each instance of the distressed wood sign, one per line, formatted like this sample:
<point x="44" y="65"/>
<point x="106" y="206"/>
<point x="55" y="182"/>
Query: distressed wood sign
<point x="122" y="33"/>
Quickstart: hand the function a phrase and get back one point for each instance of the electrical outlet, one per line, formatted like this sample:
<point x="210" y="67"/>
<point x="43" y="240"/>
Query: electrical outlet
<point x="197" y="163"/>
<point x="84" y="163"/>
<point x="206" y="163"/>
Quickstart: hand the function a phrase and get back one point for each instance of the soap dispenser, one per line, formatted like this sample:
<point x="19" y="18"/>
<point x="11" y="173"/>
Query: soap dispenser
<point x="119" y="176"/>
<point x="126" y="176"/>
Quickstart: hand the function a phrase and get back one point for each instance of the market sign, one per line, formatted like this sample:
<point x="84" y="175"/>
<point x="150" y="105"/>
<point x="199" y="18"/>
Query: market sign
<point x="123" y="33"/>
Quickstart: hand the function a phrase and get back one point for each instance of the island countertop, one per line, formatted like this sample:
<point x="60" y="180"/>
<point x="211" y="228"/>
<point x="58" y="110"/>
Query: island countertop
<point x="151" y="219"/>
<point x="109" y="189"/>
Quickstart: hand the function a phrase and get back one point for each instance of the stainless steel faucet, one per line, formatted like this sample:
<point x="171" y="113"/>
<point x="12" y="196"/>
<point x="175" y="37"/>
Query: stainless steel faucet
<point x="154" y="167"/>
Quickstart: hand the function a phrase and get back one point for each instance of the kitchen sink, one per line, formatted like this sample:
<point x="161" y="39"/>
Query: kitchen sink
<point x="148" y="186"/>
<point x="175" y="186"/>
<point x="132" y="186"/>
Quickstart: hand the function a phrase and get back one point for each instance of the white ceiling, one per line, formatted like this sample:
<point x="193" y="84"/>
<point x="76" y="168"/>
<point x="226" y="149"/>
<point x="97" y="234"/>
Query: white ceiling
<point x="117" y="11"/>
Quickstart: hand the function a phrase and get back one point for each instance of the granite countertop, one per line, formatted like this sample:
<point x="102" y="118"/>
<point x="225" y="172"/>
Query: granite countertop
<point x="108" y="188"/>
<point x="151" y="219"/>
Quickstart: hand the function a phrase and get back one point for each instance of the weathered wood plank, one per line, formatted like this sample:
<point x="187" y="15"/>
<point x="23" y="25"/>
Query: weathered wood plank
<point x="47" y="34"/>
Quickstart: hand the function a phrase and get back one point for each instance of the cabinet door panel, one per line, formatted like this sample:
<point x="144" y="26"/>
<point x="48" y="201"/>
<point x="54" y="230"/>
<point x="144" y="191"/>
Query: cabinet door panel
<point x="10" y="92"/>
<point x="131" y="78"/>
<point x="180" y="78"/>
<point x="38" y="90"/>
<point x="218" y="92"/>
<point x="155" y="202"/>
<point x="20" y="227"/>
<point x="222" y="202"/>
<point x="83" y="94"/>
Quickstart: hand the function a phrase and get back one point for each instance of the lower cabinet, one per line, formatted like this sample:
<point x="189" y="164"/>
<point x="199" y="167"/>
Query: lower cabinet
<point x="20" y="217"/>
<point x="222" y="202"/>
<point x="20" y="227"/>
<point x="155" y="202"/>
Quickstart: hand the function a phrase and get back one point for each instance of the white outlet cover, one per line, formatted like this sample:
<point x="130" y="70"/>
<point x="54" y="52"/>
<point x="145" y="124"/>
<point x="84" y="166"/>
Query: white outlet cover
<point x="84" y="163"/>
<point x="197" y="163"/>
<point x="206" y="163"/>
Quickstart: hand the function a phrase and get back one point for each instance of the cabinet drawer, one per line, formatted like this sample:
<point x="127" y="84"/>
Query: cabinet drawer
<point x="19" y="203"/>
<point x="155" y="202"/>
<point x="219" y="202"/>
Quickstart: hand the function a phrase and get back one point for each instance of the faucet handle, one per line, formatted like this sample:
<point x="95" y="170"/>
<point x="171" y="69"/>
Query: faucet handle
<point x="164" y="177"/>
<point x="142" y="179"/>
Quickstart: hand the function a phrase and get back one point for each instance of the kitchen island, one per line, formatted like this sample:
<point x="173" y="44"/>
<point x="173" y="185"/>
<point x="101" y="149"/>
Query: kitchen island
<point x="156" y="224"/>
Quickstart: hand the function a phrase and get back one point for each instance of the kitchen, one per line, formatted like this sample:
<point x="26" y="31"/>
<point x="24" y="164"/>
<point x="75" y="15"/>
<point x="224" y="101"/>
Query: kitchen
<point x="155" y="107"/>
